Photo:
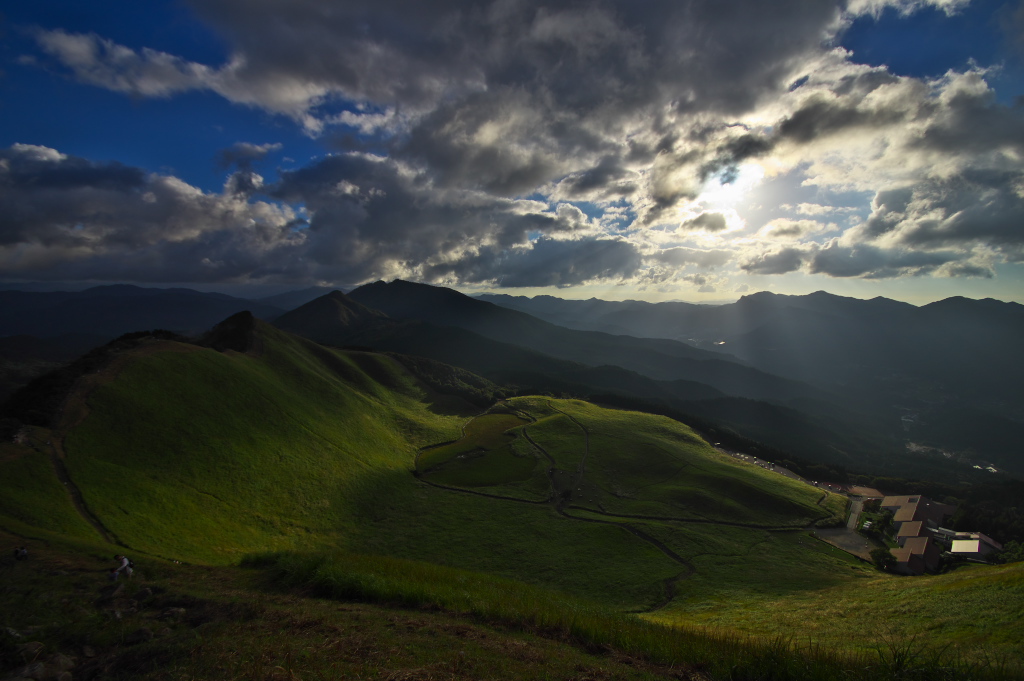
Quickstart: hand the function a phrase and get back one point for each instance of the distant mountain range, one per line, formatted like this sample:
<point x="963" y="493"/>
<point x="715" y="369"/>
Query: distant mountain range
<point x="656" y="358"/>
<point x="109" y="311"/>
<point x="945" y="362"/>
<point x="509" y="347"/>
<point x="828" y="378"/>
<point x="41" y="330"/>
<point x="830" y="341"/>
<point x="293" y="299"/>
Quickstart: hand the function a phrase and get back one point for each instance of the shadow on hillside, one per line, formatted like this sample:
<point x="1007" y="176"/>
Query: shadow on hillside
<point x="395" y="514"/>
<point x="450" y="405"/>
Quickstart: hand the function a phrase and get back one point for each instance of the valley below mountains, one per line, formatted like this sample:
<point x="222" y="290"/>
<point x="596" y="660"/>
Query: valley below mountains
<point x="404" y="482"/>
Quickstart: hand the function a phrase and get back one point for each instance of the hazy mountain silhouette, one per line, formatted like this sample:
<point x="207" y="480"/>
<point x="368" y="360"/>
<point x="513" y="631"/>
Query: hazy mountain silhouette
<point x="655" y="358"/>
<point x="110" y="311"/>
<point x="329" y="318"/>
<point x="336" y="319"/>
<point x="823" y="338"/>
<point x="41" y="330"/>
<point x="293" y="299"/>
<point x="884" y="357"/>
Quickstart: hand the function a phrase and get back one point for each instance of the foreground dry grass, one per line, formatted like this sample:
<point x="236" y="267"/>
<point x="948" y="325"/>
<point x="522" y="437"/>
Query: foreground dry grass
<point x="186" y="622"/>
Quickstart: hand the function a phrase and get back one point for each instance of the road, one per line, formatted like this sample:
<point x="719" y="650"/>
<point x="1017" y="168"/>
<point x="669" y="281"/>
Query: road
<point x="846" y="539"/>
<point x="855" y="509"/>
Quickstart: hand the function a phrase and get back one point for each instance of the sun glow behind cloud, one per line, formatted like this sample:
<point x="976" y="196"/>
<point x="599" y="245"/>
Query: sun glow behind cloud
<point x="727" y="191"/>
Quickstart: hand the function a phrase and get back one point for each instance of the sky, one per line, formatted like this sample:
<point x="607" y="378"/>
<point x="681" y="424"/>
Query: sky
<point x="690" y="150"/>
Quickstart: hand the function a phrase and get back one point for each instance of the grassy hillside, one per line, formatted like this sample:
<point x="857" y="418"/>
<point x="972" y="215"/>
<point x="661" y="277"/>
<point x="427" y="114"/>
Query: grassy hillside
<point x="348" y="616"/>
<point x="33" y="497"/>
<point x="234" y="624"/>
<point x="187" y="453"/>
<point x="205" y="456"/>
<point x="975" y="610"/>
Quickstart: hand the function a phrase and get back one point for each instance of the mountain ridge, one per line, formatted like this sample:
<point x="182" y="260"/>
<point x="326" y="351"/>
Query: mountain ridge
<point x="896" y="360"/>
<point x="338" y="470"/>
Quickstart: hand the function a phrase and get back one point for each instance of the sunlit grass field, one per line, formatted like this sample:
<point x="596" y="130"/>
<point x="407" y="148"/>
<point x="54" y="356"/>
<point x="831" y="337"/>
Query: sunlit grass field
<point x="205" y="457"/>
<point x="646" y="465"/>
<point x="975" y="610"/>
<point x="339" y="615"/>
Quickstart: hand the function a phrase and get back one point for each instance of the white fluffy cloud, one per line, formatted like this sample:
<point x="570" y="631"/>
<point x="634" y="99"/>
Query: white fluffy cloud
<point x="496" y="122"/>
<point x="62" y="216"/>
<point x="784" y="229"/>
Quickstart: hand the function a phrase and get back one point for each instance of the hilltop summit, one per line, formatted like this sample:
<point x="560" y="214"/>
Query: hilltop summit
<point x="329" y="317"/>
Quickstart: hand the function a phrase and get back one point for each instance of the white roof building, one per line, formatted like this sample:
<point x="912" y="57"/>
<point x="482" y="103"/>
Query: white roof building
<point x="974" y="545"/>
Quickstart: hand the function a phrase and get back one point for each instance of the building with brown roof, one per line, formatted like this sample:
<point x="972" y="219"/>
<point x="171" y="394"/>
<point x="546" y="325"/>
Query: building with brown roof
<point x="909" y="529"/>
<point x="916" y="508"/>
<point x="907" y="562"/>
<point x="914" y="519"/>
<point x="927" y="549"/>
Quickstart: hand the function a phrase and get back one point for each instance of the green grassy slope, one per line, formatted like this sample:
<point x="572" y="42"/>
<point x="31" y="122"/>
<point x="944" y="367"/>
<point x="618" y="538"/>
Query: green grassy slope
<point x="636" y="464"/>
<point x="33" y="496"/>
<point x="974" y="610"/>
<point x="204" y="456"/>
<point x="333" y="615"/>
<point x="198" y="455"/>
<point x="233" y="626"/>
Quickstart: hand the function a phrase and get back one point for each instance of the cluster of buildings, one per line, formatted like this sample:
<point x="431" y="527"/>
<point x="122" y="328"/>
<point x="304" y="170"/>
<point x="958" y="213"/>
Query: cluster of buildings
<point x="917" y="527"/>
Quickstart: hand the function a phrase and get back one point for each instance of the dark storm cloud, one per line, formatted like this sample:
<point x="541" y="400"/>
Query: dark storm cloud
<point x="559" y="85"/>
<point x="956" y="153"/>
<point x="779" y="261"/>
<point x="59" y="200"/>
<point x="732" y="152"/>
<point x="739" y="149"/>
<point x="479" y="104"/>
<point x="821" y="117"/>
<point x="214" y="256"/>
<point x="709" y="222"/>
<point x="862" y="84"/>
<point x="870" y="262"/>
<point x="505" y="96"/>
<point x="973" y="122"/>
<point x="244" y="154"/>
<point x="842" y="260"/>
<point x="499" y="142"/>
<point x="608" y="179"/>
<point x="243" y="183"/>
<point x="546" y="262"/>
<point x="693" y="54"/>
<point x="964" y="118"/>
<point x="973" y="207"/>
<point x="966" y="269"/>
<point x="842" y="106"/>
<point x="68" y="217"/>
<point x="889" y="209"/>
<point x="371" y="213"/>
<point x="31" y="169"/>
<point x="681" y="256"/>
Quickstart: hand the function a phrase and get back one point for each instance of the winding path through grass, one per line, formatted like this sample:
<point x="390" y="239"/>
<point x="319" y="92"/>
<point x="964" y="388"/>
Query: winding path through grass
<point x="561" y="503"/>
<point x="56" y="459"/>
<point x="560" y="507"/>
